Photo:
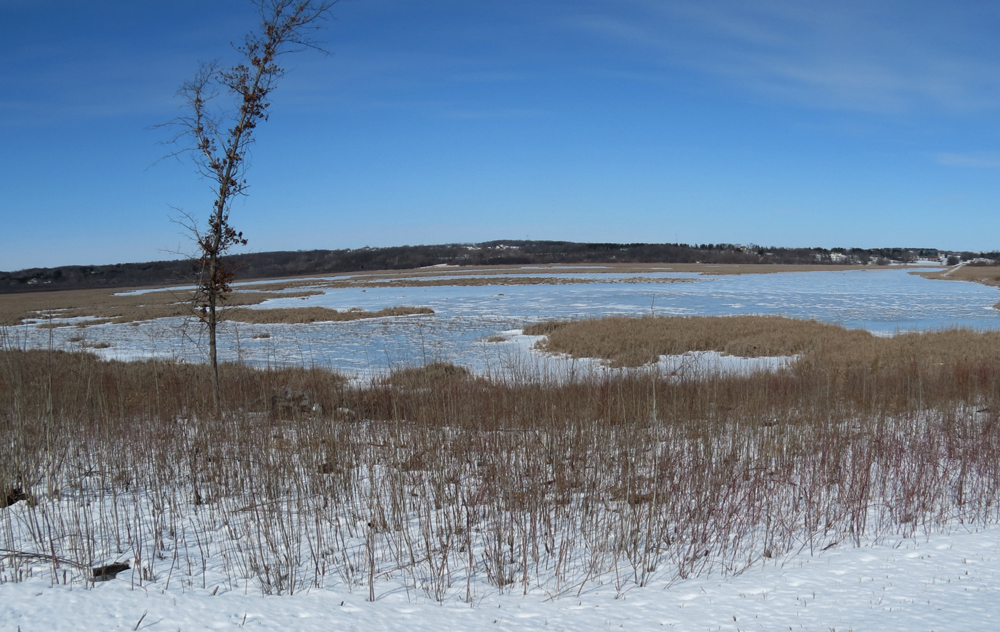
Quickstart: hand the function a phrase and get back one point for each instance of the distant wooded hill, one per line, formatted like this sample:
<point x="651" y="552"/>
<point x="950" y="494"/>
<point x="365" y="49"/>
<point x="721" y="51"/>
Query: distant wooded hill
<point x="264" y="265"/>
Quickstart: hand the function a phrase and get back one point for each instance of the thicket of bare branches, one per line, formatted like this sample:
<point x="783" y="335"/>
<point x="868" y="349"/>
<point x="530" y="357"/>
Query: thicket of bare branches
<point x="453" y="484"/>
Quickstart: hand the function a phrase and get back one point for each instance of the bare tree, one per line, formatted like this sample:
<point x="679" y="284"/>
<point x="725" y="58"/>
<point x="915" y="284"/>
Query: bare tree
<point x="220" y="138"/>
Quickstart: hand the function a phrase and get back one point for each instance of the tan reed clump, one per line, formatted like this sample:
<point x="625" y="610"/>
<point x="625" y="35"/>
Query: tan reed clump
<point x="80" y="386"/>
<point x="430" y="375"/>
<point x="633" y="341"/>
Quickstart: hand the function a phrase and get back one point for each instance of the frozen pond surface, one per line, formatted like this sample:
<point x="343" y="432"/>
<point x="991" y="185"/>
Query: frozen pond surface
<point x="880" y="300"/>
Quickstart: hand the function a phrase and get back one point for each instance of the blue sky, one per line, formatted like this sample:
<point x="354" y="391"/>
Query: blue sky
<point x="776" y="122"/>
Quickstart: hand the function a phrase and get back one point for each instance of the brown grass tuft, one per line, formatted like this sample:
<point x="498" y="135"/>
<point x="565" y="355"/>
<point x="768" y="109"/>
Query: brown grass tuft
<point x="633" y="341"/>
<point x="431" y="375"/>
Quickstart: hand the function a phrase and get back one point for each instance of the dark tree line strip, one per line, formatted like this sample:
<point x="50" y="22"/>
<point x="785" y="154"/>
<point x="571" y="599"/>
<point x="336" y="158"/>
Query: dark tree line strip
<point x="272" y="265"/>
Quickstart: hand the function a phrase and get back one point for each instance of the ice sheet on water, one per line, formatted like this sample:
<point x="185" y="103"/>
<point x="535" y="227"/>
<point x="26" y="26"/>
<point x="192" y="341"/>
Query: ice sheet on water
<point x="883" y="301"/>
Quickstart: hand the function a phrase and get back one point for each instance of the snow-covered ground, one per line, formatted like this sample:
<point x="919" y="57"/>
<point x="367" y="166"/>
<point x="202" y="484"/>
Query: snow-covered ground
<point x="938" y="582"/>
<point x="942" y="580"/>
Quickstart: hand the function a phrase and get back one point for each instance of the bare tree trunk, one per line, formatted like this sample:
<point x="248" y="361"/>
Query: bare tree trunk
<point x="213" y="349"/>
<point x="221" y="141"/>
<point x="217" y="287"/>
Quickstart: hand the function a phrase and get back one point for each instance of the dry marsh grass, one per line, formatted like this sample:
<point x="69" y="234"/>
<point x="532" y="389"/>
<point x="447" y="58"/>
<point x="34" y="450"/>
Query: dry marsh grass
<point x="449" y="482"/>
<point x="438" y="375"/>
<point x="984" y="275"/>
<point x="634" y="341"/>
<point x="49" y="309"/>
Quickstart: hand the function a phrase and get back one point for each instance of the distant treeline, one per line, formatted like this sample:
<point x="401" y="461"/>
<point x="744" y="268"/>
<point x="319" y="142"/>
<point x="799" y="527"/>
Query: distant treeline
<point x="264" y="265"/>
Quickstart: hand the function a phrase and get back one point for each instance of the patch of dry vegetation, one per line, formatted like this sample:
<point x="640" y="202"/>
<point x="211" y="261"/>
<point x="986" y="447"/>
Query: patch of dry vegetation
<point x="86" y="389"/>
<point x="982" y="274"/>
<point x="103" y="306"/>
<point x="441" y="477"/>
<point x="433" y="375"/>
<point x="634" y="341"/>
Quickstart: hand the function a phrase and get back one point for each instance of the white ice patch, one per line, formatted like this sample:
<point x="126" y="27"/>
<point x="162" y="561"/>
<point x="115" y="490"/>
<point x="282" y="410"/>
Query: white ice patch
<point x="883" y="301"/>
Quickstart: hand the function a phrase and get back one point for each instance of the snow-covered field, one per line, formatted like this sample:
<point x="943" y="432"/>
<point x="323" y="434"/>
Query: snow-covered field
<point x="186" y="571"/>
<point x="938" y="582"/>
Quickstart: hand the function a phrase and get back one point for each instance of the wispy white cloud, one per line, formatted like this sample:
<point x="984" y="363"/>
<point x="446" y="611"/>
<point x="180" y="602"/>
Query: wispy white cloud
<point x="978" y="159"/>
<point x="500" y="113"/>
<point x="877" y="55"/>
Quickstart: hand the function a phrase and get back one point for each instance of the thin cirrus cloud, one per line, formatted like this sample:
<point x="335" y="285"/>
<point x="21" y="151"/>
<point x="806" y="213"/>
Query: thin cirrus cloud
<point x="500" y="113"/>
<point x="978" y="159"/>
<point x="880" y="56"/>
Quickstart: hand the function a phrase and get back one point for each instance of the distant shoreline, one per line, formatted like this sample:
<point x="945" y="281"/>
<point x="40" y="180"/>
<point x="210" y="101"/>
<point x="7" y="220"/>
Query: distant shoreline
<point x="288" y="264"/>
<point x="162" y="300"/>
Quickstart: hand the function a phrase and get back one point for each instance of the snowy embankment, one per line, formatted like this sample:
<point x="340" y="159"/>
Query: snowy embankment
<point x="944" y="581"/>
<point x="540" y="499"/>
<point x="318" y="524"/>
